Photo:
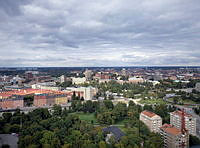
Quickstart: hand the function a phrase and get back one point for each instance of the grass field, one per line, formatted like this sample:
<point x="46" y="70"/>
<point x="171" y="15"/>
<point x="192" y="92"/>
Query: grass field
<point x="184" y="101"/>
<point x="88" y="117"/>
<point x="152" y="101"/>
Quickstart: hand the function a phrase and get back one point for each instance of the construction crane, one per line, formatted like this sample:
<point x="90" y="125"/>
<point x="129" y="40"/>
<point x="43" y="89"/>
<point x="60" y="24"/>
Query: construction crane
<point x="183" y="129"/>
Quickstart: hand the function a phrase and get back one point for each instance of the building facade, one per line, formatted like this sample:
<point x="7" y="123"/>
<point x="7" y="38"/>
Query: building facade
<point x="190" y="121"/>
<point x="12" y="102"/>
<point x="86" y="92"/>
<point x="78" y="80"/>
<point x="151" y="120"/>
<point x="88" y="74"/>
<point x="173" y="137"/>
<point x="62" y="79"/>
<point x="50" y="99"/>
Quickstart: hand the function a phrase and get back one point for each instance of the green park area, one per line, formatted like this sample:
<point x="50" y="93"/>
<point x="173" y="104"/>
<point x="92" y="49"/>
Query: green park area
<point x="88" y="117"/>
<point x="185" y="101"/>
<point x="152" y="101"/>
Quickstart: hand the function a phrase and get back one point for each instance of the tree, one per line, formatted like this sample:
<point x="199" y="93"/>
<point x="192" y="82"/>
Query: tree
<point x="194" y="140"/>
<point x="67" y="146"/>
<point x="131" y="103"/>
<point x="108" y="104"/>
<point x="15" y="120"/>
<point x="47" y="138"/>
<point x="39" y="114"/>
<point x="5" y="146"/>
<point x="57" y="110"/>
<point x="88" y="106"/>
<point x="7" y="117"/>
<point x="65" y="112"/>
<point x="106" y="118"/>
<point x="75" y="139"/>
<point x="120" y="111"/>
<point x="15" y="128"/>
<point x="102" y="144"/>
<point x="55" y="143"/>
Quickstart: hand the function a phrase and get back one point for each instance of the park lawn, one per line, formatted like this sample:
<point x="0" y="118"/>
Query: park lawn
<point x="184" y="101"/>
<point x="152" y="101"/>
<point x="88" y="117"/>
<point x="121" y="123"/>
<point x="188" y="101"/>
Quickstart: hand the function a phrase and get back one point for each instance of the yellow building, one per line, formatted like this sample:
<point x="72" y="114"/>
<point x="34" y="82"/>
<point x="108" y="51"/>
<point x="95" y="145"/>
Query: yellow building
<point x="61" y="99"/>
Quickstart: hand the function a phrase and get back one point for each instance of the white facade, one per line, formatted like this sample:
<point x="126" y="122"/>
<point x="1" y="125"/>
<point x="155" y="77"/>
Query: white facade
<point x="47" y="85"/>
<point x="197" y="87"/>
<point x="62" y="79"/>
<point x="88" y="74"/>
<point x="88" y="92"/>
<point x="173" y="137"/>
<point x="78" y="80"/>
<point x="190" y="122"/>
<point x="136" y="80"/>
<point x="151" y="120"/>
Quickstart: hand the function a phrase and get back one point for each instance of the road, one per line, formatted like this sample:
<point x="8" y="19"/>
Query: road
<point x="29" y="109"/>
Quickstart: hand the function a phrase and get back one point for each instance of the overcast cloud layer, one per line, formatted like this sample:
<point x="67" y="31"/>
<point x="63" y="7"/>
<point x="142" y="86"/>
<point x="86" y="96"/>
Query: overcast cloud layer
<point x="99" y="33"/>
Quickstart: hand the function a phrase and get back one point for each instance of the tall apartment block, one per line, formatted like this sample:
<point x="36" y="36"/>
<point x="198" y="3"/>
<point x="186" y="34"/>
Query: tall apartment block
<point x="190" y="121"/>
<point x="174" y="137"/>
<point x="151" y="120"/>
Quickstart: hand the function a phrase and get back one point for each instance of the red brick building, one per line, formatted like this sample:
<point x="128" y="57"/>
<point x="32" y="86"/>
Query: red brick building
<point x="40" y="100"/>
<point x="12" y="102"/>
<point x="15" y="98"/>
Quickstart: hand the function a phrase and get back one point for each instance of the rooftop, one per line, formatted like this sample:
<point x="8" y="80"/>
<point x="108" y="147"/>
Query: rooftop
<point x="115" y="131"/>
<point x="148" y="113"/>
<point x="179" y="113"/>
<point x="24" y="92"/>
<point x="170" y="129"/>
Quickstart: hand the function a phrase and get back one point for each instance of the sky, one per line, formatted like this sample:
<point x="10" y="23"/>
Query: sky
<point x="74" y="33"/>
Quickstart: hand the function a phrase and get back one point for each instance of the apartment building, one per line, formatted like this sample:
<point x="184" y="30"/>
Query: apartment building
<point x="190" y="121"/>
<point x="78" y="80"/>
<point x="11" y="102"/>
<point x="50" y="99"/>
<point x="151" y="120"/>
<point x="86" y="92"/>
<point x="47" y="86"/>
<point x="88" y="74"/>
<point x="135" y="80"/>
<point x="173" y="137"/>
<point x="15" y="98"/>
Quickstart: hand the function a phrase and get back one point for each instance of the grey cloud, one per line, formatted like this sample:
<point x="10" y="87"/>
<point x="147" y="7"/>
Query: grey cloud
<point x="103" y="33"/>
<point x="12" y="7"/>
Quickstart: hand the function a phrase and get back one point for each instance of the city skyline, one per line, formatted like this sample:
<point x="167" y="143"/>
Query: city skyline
<point x="94" y="34"/>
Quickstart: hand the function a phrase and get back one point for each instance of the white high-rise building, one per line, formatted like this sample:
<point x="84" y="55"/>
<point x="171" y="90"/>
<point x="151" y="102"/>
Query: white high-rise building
<point x="88" y="74"/>
<point x="190" y="121"/>
<point x="62" y="79"/>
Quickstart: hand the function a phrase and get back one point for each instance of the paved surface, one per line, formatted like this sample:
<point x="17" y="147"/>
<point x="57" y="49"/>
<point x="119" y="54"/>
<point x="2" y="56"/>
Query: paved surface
<point x="29" y="109"/>
<point x="9" y="139"/>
